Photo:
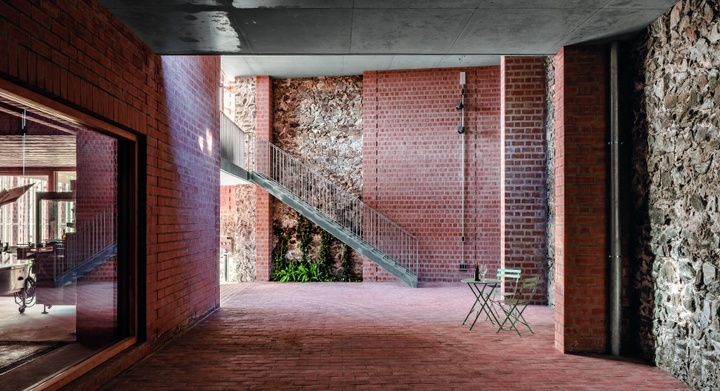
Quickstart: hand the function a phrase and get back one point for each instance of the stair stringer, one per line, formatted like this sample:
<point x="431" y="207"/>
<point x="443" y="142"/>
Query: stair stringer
<point x="331" y="227"/>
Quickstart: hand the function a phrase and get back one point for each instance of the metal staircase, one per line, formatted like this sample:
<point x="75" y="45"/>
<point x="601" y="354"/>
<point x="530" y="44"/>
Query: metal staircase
<point x="88" y="265"/>
<point x="90" y="247"/>
<point x="338" y="212"/>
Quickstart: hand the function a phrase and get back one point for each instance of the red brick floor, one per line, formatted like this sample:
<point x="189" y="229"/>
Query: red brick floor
<point x="371" y="336"/>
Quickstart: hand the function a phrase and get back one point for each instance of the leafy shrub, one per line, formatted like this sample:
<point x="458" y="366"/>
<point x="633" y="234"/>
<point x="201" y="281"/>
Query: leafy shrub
<point x="302" y="271"/>
<point x="307" y="269"/>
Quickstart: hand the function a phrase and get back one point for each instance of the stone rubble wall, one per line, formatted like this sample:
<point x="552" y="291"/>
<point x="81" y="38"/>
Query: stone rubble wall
<point x="679" y="260"/>
<point x="240" y="225"/>
<point x="245" y="103"/>
<point x="641" y="254"/>
<point x="319" y="122"/>
<point x="550" y="159"/>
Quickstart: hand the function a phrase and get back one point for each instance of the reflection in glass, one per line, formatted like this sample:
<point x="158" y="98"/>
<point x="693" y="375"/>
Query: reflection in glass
<point x="91" y="250"/>
<point x="59" y="238"/>
<point x="17" y="223"/>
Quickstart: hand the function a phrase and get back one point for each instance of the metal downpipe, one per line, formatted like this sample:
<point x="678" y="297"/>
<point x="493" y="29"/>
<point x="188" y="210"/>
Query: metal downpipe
<point x="461" y="130"/>
<point x="462" y="181"/>
<point x="615" y="234"/>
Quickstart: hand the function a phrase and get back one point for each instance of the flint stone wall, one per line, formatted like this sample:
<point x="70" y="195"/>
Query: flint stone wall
<point x="679" y="132"/>
<point x="319" y="122"/>
<point x="245" y="91"/>
<point x="241" y="224"/>
<point x="550" y="178"/>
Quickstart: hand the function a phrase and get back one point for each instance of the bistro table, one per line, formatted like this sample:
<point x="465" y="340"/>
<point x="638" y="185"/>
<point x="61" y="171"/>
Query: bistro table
<point x="482" y="298"/>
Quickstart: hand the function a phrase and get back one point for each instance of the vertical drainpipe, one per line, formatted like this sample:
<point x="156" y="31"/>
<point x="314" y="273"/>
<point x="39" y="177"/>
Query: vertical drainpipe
<point x="462" y="180"/>
<point x="461" y="130"/>
<point x="615" y="243"/>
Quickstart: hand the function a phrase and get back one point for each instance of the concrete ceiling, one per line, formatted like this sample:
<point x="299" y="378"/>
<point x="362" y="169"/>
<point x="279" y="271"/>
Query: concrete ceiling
<point x="295" y="38"/>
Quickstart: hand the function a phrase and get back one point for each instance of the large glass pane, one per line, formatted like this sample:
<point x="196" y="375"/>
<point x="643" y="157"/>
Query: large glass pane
<point x="92" y="248"/>
<point x="58" y="253"/>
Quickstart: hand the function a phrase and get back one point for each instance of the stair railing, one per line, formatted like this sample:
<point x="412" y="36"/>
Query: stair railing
<point x="236" y="146"/>
<point x="260" y="156"/>
<point x="89" y="238"/>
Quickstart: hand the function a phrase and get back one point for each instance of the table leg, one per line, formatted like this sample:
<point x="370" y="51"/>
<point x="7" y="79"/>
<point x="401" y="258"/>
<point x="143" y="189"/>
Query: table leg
<point x="484" y="305"/>
<point x="476" y="293"/>
<point x="488" y="307"/>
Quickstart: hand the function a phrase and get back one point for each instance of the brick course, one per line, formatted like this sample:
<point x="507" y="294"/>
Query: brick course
<point x="524" y="203"/>
<point x="263" y="200"/>
<point x="580" y="182"/>
<point x="412" y="160"/>
<point x="96" y="194"/>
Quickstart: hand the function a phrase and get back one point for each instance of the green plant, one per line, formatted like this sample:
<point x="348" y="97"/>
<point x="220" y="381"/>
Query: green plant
<point x="348" y="271"/>
<point x="282" y="275"/>
<point x="300" y="271"/>
<point x="281" y="248"/>
<point x="305" y="269"/>
<point x="315" y="272"/>
<point x="324" y="258"/>
<point x="304" y="235"/>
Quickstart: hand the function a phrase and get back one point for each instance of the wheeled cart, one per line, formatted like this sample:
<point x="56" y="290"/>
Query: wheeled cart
<point x="17" y="279"/>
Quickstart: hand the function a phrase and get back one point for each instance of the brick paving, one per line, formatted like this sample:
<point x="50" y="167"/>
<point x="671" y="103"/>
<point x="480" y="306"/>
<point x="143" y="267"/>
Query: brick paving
<point x="371" y="336"/>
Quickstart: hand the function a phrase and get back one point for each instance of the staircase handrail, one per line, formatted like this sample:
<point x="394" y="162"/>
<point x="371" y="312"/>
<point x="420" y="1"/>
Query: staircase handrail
<point x="92" y="236"/>
<point x="236" y="145"/>
<point x="329" y="199"/>
<point x="337" y="204"/>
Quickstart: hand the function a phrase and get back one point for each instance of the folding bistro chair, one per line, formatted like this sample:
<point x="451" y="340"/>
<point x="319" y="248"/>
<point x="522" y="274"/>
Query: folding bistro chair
<point x="514" y="306"/>
<point x="505" y="276"/>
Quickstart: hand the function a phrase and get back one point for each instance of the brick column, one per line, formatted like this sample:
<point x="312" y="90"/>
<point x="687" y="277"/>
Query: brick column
<point x="580" y="182"/>
<point x="263" y="216"/>
<point x="523" y="173"/>
<point x="370" y="164"/>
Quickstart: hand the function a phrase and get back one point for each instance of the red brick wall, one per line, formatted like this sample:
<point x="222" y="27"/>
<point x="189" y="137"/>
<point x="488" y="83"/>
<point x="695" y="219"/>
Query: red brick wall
<point x="77" y="53"/>
<point x="96" y="193"/>
<point x="228" y="203"/>
<point x="96" y="166"/>
<point x="105" y="272"/>
<point x="370" y="110"/>
<point x="580" y="180"/>
<point x="263" y="206"/>
<point x="485" y="160"/>
<point x="185" y="196"/>
<point x="412" y="159"/>
<point x="523" y="131"/>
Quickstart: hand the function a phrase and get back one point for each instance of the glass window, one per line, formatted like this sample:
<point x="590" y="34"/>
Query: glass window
<point x="60" y="273"/>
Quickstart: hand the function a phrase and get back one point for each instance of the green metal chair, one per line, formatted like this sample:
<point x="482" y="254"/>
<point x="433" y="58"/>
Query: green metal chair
<point x="508" y="277"/>
<point x="514" y="306"/>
